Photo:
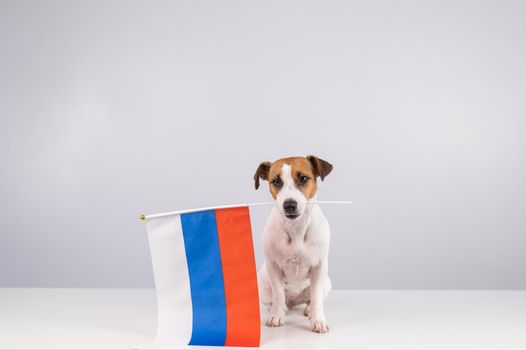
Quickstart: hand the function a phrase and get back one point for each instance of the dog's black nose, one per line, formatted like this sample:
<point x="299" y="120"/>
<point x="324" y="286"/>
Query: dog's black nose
<point x="290" y="206"/>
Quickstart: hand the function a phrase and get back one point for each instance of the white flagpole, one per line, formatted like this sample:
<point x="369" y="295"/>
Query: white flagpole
<point x="152" y="216"/>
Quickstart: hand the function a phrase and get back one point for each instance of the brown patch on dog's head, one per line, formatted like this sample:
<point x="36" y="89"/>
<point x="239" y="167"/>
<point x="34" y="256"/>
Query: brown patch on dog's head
<point x="303" y="170"/>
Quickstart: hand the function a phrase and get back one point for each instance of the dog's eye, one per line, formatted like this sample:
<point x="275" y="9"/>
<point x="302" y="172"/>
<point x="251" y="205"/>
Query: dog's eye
<point x="303" y="179"/>
<point x="276" y="182"/>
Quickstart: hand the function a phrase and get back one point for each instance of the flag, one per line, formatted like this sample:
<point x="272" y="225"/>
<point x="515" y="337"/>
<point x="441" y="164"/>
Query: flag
<point x="205" y="278"/>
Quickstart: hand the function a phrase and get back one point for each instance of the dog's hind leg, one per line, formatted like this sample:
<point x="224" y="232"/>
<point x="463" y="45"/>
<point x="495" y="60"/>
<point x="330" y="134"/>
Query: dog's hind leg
<point x="298" y="299"/>
<point x="304" y="296"/>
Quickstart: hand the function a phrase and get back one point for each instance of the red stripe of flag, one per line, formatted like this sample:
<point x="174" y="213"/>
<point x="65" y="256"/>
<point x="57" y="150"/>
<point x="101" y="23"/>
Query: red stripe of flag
<point x="239" y="275"/>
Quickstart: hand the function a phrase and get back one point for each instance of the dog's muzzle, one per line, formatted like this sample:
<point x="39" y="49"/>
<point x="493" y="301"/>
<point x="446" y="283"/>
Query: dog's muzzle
<point x="289" y="207"/>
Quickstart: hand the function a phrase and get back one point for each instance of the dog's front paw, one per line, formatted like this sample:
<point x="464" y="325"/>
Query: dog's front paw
<point x="318" y="324"/>
<point x="275" y="320"/>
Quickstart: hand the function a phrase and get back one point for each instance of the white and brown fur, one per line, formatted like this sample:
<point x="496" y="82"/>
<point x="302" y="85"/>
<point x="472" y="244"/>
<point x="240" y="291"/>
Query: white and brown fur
<point x="296" y="241"/>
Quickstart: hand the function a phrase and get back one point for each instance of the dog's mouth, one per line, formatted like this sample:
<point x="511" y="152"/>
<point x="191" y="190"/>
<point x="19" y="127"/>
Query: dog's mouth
<point x="292" y="216"/>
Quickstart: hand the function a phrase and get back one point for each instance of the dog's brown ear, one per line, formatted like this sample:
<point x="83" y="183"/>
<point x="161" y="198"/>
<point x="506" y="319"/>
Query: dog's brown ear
<point x="262" y="173"/>
<point x="321" y="167"/>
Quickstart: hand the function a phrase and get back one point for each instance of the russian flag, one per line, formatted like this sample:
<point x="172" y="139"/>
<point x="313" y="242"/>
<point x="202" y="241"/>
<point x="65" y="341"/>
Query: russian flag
<point x="205" y="278"/>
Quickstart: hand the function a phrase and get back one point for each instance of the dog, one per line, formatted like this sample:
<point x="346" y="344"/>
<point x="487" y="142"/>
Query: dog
<point x="296" y="241"/>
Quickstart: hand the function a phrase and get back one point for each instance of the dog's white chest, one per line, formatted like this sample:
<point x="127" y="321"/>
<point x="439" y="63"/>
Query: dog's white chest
<point x="296" y="262"/>
<point x="296" y="247"/>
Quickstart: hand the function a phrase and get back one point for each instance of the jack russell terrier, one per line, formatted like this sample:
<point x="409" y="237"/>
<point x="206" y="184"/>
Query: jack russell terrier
<point x="296" y="241"/>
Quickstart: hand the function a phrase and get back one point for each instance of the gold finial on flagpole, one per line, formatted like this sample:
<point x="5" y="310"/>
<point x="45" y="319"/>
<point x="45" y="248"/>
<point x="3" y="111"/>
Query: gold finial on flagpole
<point x="142" y="217"/>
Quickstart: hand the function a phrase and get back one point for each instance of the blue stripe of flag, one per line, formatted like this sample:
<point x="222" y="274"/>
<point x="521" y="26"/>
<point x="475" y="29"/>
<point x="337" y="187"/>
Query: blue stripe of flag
<point x="206" y="278"/>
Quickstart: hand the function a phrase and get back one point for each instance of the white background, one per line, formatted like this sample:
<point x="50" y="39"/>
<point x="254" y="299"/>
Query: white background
<point x="113" y="109"/>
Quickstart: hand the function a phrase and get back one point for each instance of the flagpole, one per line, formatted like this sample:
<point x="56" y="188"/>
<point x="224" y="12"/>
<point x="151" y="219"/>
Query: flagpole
<point x="178" y="212"/>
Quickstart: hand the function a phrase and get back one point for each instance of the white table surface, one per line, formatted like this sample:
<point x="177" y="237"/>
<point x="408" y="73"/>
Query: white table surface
<point x="359" y="319"/>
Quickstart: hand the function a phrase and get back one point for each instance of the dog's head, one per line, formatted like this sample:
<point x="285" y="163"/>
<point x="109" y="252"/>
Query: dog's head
<point x="293" y="181"/>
